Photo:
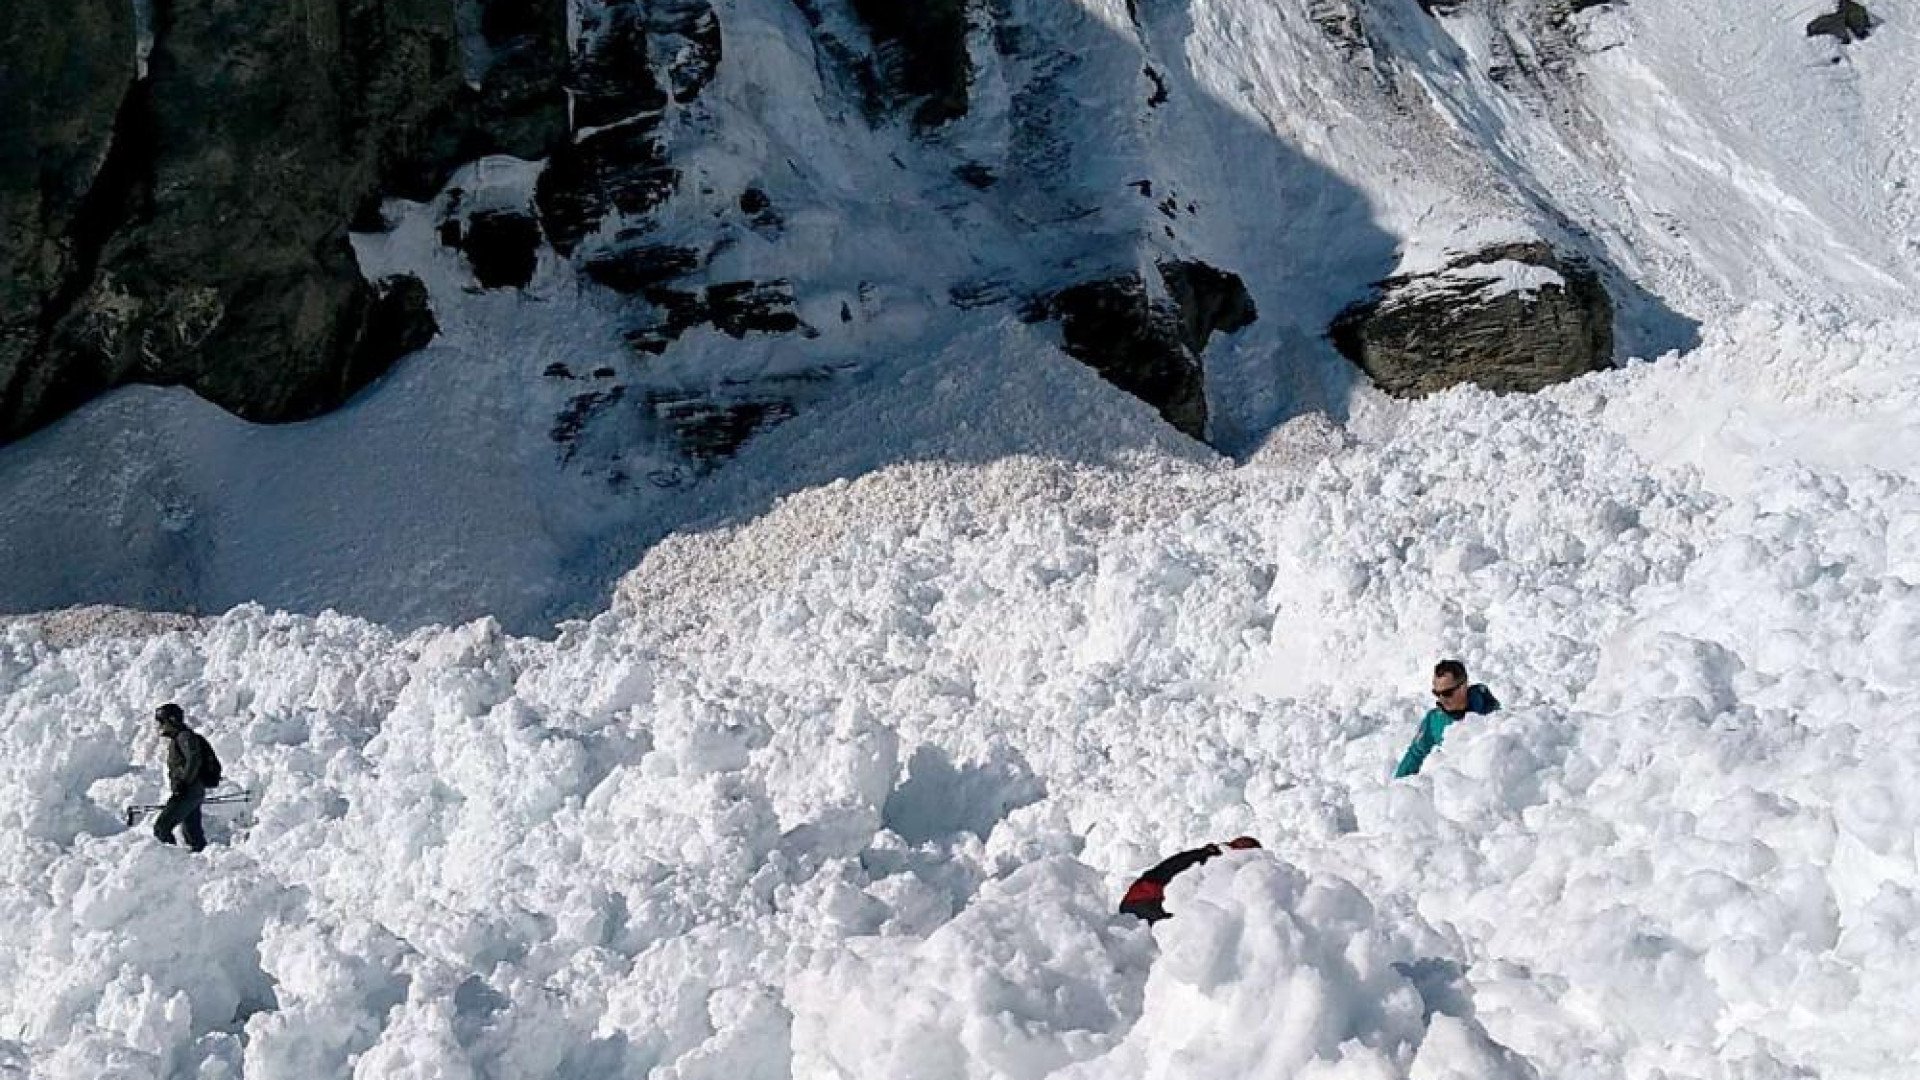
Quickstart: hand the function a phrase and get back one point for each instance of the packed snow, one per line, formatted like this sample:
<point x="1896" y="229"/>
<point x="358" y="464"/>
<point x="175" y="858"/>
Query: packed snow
<point x="860" y="740"/>
<point x="852" y="789"/>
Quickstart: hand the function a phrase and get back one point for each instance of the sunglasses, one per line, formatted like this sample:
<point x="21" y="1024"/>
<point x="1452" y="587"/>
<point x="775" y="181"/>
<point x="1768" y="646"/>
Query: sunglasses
<point x="1449" y="691"/>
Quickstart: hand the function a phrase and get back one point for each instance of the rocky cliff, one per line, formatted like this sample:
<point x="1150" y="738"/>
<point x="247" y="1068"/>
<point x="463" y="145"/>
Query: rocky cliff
<point x="179" y="199"/>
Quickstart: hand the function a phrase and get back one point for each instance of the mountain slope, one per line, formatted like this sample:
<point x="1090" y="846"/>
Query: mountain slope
<point x="1706" y="158"/>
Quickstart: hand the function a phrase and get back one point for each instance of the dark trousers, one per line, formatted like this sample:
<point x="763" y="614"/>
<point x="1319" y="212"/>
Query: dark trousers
<point x="182" y="810"/>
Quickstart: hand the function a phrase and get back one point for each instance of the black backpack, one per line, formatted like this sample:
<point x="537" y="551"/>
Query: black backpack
<point x="209" y="763"/>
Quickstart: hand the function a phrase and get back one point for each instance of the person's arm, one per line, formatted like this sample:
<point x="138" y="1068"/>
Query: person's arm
<point x="1177" y="864"/>
<point x="1422" y="745"/>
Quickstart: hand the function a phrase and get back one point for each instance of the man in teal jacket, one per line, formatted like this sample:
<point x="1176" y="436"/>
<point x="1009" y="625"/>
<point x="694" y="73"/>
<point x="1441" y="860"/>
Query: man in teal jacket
<point x="1456" y="698"/>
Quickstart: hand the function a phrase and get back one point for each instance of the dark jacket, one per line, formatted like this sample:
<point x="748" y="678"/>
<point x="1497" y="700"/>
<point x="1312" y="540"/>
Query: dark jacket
<point x="187" y="753"/>
<point x="1144" y="897"/>
<point x="1434" y="725"/>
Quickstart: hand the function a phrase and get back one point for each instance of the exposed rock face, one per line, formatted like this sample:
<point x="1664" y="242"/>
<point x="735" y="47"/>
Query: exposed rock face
<point x="739" y="308"/>
<point x="623" y="168"/>
<point x="1517" y="317"/>
<point x="398" y="321"/>
<point x="923" y="54"/>
<point x="1209" y="300"/>
<point x="612" y="78"/>
<point x="1342" y="24"/>
<point x="1556" y="9"/>
<point x="1150" y="346"/>
<point x="213" y="250"/>
<point x="687" y="33"/>
<point x="735" y="308"/>
<point x="710" y="429"/>
<point x="218" y="192"/>
<point x="503" y="248"/>
<point x="1847" y="23"/>
<point x="634" y="57"/>
<point x="65" y="66"/>
<point x="521" y="106"/>
<point x="214" y="243"/>
<point x="641" y="267"/>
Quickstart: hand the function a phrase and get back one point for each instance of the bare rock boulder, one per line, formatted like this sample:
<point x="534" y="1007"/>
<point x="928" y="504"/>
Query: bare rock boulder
<point x="1847" y="23"/>
<point x="1515" y="317"/>
<point x="1150" y="345"/>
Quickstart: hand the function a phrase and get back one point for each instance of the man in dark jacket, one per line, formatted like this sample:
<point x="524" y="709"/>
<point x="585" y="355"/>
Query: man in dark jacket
<point x="187" y="757"/>
<point x="1454" y="699"/>
<point x="1146" y="895"/>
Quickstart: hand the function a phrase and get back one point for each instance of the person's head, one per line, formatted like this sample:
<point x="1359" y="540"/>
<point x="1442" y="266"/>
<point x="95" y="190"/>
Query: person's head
<point x="170" y="717"/>
<point x="1241" y="843"/>
<point x="1450" y="685"/>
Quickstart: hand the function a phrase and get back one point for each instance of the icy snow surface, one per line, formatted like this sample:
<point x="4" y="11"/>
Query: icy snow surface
<point x="851" y="790"/>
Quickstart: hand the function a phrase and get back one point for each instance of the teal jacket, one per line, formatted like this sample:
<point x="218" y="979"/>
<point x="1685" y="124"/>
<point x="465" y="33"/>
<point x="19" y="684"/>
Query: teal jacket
<point x="1433" y="727"/>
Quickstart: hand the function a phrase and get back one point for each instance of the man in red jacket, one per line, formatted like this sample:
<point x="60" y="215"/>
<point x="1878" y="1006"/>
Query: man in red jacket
<point x="1144" y="897"/>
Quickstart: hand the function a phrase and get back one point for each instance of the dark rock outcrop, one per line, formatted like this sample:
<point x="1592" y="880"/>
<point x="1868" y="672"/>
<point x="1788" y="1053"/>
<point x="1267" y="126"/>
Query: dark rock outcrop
<point x="709" y="429"/>
<point x="705" y="426"/>
<point x="634" y="57"/>
<point x="739" y="308"/>
<point x="612" y="77"/>
<point x="65" y="68"/>
<point x="760" y="212"/>
<point x="212" y="249"/>
<point x="622" y="168"/>
<point x="1342" y="24"/>
<point x="229" y="270"/>
<point x="675" y="311"/>
<point x="502" y="247"/>
<point x="579" y="411"/>
<point x="1150" y="347"/>
<point x="1517" y="317"/>
<point x="1847" y="23"/>
<point x="735" y="308"/>
<point x="521" y="106"/>
<point x="1208" y="299"/>
<point x="399" y="321"/>
<point x="687" y="34"/>
<point x="923" y="54"/>
<point x="641" y="267"/>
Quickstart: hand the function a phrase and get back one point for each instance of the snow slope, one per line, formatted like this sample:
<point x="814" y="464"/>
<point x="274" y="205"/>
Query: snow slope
<point x="851" y="789"/>
<point x="863" y="737"/>
<point x="1709" y="155"/>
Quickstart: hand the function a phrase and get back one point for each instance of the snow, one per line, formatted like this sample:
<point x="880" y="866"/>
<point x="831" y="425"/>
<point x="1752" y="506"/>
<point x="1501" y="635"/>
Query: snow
<point x="850" y="788"/>
<point x="1497" y="278"/>
<point x="858" y="740"/>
